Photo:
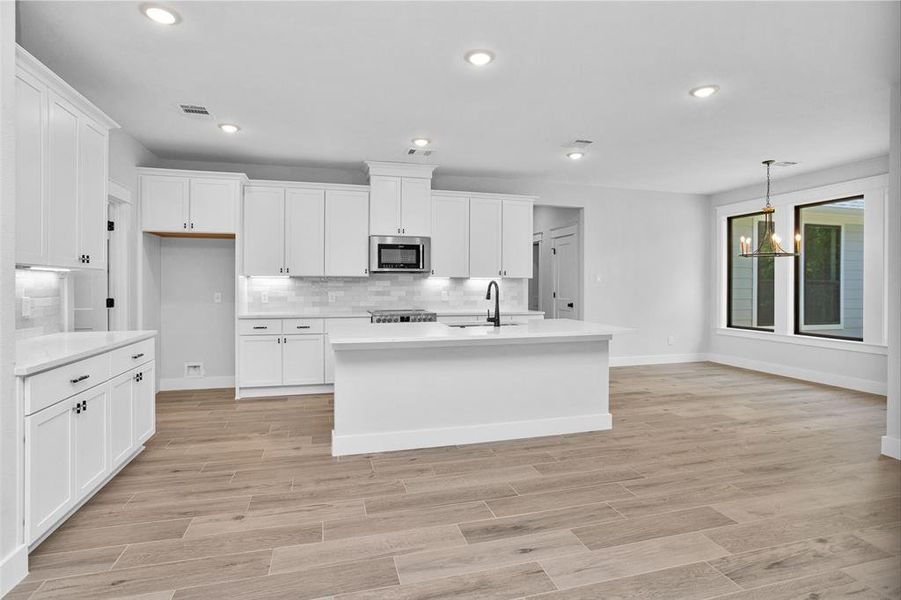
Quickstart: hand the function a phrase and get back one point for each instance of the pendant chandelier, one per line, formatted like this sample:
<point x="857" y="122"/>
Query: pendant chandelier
<point x="770" y="243"/>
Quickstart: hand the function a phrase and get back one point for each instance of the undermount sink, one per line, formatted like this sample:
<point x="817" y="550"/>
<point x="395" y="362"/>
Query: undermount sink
<point x="464" y="325"/>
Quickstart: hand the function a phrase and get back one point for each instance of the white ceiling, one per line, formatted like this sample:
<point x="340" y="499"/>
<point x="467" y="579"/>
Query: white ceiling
<point x="333" y="83"/>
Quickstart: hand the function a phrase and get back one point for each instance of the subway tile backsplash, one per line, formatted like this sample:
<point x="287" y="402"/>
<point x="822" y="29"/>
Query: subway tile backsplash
<point x="383" y="290"/>
<point x="40" y="294"/>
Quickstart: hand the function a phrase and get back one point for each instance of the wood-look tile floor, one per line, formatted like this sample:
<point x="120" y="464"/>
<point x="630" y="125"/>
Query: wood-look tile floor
<point x="714" y="483"/>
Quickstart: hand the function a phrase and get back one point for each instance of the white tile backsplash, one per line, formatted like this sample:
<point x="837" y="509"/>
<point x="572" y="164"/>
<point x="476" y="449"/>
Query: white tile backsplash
<point x="383" y="290"/>
<point x="43" y="291"/>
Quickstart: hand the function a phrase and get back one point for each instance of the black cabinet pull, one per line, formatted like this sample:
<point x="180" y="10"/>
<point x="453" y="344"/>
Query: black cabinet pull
<point x="192" y="225"/>
<point x="505" y="271"/>
<point x="260" y="327"/>
<point x="137" y="356"/>
<point x="84" y="406"/>
<point x="287" y="269"/>
<point x="184" y="225"/>
<point x="570" y="305"/>
<point x="278" y="340"/>
<point x="303" y="326"/>
<point x="79" y="379"/>
<point x="77" y="408"/>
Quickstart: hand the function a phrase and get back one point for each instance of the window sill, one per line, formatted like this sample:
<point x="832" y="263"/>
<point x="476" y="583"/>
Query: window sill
<point x="801" y="340"/>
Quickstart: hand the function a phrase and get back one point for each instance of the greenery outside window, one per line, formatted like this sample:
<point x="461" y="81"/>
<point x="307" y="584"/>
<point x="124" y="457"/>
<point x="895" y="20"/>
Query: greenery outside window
<point x="750" y="285"/>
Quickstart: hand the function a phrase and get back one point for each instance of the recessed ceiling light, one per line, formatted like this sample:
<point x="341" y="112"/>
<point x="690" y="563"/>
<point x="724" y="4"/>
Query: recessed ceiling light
<point x="159" y="14"/>
<point x="575" y="155"/>
<point x="705" y="91"/>
<point x="479" y="58"/>
<point x="229" y="128"/>
<point x="421" y="142"/>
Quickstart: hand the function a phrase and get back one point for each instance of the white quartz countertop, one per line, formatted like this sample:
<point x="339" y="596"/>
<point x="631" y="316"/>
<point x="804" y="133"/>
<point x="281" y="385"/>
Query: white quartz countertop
<point x="37" y="354"/>
<point x="392" y="335"/>
<point x="441" y="312"/>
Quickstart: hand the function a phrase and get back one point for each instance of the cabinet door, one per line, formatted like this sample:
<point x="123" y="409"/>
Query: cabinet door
<point x="62" y="184"/>
<point x="484" y="237"/>
<point x="517" y="238"/>
<point x="91" y="441"/>
<point x="346" y="233"/>
<point x="144" y="403"/>
<point x="49" y="467"/>
<point x="92" y="178"/>
<point x="305" y="232"/>
<point x="264" y="231"/>
<point x="31" y="201"/>
<point x="450" y="236"/>
<point x="164" y="203"/>
<point x="261" y="360"/>
<point x="302" y="359"/>
<point x="384" y="205"/>
<point x="121" y="418"/>
<point x="213" y="206"/>
<point x="416" y="207"/>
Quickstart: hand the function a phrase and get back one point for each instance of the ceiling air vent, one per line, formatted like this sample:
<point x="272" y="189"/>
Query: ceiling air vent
<point x="195" y="111"/>
<point x="578" y="143"/>
<point x="785" y="163"/>
<point x="420" y="152"/>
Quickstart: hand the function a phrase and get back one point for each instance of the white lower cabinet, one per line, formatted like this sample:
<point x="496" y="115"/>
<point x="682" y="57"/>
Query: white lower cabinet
<point x="302" y="361"/>
<point x="261" y="360"/>
<point x="73" y="444"/>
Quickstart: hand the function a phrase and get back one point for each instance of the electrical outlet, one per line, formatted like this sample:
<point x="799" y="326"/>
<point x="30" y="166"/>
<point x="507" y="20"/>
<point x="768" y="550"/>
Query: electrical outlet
<point x="217" y="297"/>
<point x="670" y="340"/>
<point x="27" y="306"/>
<point x="264" y="297"/>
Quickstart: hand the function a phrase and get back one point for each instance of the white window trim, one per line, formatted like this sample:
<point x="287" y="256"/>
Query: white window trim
<point x="874" y="190"/>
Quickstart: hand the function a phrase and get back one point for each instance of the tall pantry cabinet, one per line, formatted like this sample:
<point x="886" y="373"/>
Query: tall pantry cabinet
<point x="62" y="146"/>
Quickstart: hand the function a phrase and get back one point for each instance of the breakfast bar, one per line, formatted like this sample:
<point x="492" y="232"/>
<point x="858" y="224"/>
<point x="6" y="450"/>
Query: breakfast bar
<point x="420" y="385"/>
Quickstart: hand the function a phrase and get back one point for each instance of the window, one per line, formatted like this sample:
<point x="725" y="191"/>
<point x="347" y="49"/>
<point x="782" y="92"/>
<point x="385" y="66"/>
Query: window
<point x="750" y="288"/>
<point x="829" y="271"/>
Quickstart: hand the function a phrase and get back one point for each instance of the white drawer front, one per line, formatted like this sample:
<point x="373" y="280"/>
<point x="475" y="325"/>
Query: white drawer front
<point x="259" y="326"/>
<point x="123" y="359"/>
<point x="48" y="388"/>
<point x="303" y="326"/>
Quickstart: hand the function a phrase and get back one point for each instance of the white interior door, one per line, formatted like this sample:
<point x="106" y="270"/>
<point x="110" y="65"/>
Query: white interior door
<point x="89" y="300"/>
<point x="565" y="264"/>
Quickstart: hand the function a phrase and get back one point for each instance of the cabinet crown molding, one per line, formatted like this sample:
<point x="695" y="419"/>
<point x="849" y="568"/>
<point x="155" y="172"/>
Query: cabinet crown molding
<point x="188" y="173"/>
<point x="398" y="169"/>
<point x="28" y="63"/>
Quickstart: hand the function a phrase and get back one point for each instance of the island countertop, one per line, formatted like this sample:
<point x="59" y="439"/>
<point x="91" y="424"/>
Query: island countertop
<point x="414" y="335"/>
<point x="40" y="353"/>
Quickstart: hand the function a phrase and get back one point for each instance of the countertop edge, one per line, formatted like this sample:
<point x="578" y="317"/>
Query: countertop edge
<point x="365" y="315"/>
<point x="34" y="369"/>
<point x="551" y="338"/>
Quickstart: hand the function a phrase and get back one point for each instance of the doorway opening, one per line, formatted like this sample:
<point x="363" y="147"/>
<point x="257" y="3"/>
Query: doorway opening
<point x="557" y="254"/>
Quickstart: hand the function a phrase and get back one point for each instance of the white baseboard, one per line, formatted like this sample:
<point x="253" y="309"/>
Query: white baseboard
<point x="891" y="446"/>
<point x="13" y="569"/>
<point x="842" y="381"/>
<point x="196" y="383"/>
<point x="469" y="434"/>
<point x="655" y="359"/>
<point x="285" y="390"/>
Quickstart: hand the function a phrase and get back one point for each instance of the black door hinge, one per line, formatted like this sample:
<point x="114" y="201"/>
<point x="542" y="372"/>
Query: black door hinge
<point x="111" y="303"/>
<point x="555" y="294"/>
<point x="554" y="250"/>
<point x="110" y="225"/>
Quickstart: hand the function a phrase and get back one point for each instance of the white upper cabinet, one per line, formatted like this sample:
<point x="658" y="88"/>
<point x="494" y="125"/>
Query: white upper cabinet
<point x="31" y="201"/>
<point x="517" y="238"/>
<point x="164" y="203"/>
<point x="450" y="235"/>
<point x="62" y="152"/>
<point x="384" y="205"/>
<point x="264" y="231"/>
<point x="304" y="232"/>
<point x="400" y="202"/>
<point x="190" y="202"/>
<point x="346" y="233"/>
<point x="485" y="230"/>
<point x="62" y="230"/>
<point x="212" y="205"/>
<point x="416" y="206"/>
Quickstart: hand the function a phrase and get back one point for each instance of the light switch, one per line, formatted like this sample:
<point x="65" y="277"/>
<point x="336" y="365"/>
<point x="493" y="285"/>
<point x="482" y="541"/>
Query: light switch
<point x="27" y="306"/>
<point x="217" y="297"/>
<point x="264" y="297"/>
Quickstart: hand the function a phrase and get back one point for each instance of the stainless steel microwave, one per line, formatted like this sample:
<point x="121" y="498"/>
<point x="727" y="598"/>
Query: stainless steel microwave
<point x="389" y="254"/>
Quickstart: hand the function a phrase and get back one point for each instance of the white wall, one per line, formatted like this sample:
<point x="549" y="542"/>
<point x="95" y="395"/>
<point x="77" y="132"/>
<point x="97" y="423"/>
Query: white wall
<point x="13" y="555"/>
<point x="644" y="264"/>
<point x="274" y="172"/>
<point x="847" y="364"/>
<point x="192" y="327"/>
<point x="891" y="443"/>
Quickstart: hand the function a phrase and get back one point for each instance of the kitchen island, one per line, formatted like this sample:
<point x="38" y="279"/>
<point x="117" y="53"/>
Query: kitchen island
<point x="421" y="385"/>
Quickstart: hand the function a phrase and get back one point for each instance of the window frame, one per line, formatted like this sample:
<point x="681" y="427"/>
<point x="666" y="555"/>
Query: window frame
<point x="798" y="270"/>
<point x="730" y="257"/>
